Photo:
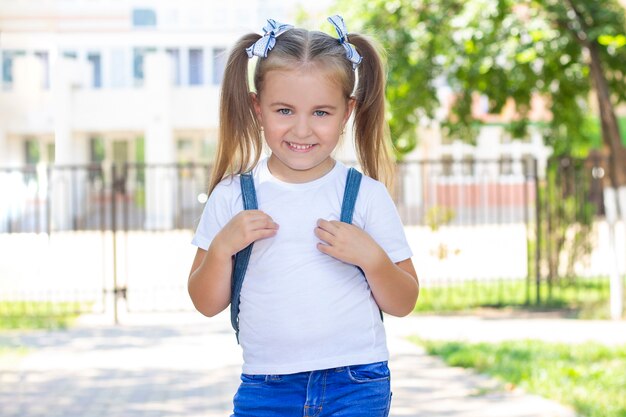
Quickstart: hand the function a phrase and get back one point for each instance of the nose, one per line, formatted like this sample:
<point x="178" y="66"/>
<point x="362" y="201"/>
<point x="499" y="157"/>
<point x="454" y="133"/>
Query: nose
<point x="302" y="128"/>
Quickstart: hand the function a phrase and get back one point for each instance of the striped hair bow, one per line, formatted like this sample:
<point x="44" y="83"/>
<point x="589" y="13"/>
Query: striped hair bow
<point x="261" y="47"/>
<point x="351" y="53"/>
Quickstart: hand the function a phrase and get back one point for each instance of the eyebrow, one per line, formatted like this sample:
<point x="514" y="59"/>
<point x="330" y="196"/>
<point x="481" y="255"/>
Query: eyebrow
<point x="321" y="106"/>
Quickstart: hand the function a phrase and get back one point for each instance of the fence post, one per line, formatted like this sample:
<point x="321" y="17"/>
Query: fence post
<point x="114" y="236"/>
<point x="538" y="226"/>
<point x="527" y="224"/>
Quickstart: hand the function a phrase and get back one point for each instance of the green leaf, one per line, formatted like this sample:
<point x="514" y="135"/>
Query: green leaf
<point x="526" y="56"/>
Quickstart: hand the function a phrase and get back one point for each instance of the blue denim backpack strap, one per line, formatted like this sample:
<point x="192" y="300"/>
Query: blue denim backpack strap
<point x="242" y="257"/>
<point x="350" y="194"/>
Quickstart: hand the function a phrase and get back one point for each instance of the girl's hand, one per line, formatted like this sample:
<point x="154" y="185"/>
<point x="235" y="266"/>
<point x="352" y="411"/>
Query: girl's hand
<point x="246" y="227"/>
<point x="348" y="243"/>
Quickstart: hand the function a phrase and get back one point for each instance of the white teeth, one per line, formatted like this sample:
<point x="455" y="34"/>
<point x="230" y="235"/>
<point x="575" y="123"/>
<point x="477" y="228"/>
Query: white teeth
<point x="299" y="147"/>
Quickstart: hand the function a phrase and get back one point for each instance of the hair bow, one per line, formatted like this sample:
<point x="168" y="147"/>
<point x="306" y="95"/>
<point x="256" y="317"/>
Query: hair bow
<point x="351" y="53"/>
<point x="261" y="47"/>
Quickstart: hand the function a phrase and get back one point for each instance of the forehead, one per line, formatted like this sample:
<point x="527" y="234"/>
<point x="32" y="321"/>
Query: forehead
<point x="302" y="86"/>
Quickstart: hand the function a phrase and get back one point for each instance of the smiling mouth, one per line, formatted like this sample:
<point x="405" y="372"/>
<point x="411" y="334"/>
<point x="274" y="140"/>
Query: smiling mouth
<point x="298" y="147"/>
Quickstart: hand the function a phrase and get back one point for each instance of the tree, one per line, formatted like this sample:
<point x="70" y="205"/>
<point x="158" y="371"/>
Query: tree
<point x="507" y="50"/>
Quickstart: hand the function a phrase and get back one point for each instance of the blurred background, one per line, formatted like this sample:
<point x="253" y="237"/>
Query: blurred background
<point x="508" y="118"/>
<point x="506" y="147"/>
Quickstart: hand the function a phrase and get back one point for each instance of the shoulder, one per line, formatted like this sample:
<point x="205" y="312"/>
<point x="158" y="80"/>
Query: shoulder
<point x="226" y="195"/>
<point x="226" y="187"/>
<point x="371" y="191"/>
<point x="372" y="188"/>
<point x="368" y="186"/>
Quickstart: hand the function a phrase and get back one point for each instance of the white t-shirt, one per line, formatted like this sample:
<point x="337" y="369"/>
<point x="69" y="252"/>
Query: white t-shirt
<point x="300" y="309"/>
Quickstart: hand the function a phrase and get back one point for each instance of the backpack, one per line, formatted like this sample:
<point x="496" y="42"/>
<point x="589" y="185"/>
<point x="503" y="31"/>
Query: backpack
<point x="242" y="257"/>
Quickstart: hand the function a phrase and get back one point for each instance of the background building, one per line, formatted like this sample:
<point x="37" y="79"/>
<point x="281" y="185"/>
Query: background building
<point x="95" y="81"/>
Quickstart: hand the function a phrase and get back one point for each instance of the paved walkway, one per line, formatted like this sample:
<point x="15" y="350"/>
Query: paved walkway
<point x="186" y="365"/>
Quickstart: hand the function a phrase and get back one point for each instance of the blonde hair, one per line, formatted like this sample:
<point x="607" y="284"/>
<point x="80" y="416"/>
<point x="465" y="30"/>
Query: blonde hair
<point x="240" y="143"/>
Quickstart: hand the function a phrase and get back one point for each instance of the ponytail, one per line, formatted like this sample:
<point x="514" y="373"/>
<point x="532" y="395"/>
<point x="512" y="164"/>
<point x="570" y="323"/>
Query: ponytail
<point x="371" y="131"/>
<point x="239" y="140"/>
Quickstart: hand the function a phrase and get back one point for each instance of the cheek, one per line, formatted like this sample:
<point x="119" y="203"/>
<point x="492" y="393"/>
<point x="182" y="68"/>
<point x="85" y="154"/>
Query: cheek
<point x="331" y="128"/>
<point x="274" y="131"/>
<point x="276" y="125"/>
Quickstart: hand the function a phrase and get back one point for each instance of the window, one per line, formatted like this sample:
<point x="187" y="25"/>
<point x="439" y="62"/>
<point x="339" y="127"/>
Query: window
<point x="45" y="67"/>
<point x="120" y="151"/>
<point x="195" y="66"/>
<point x="96" y="69"/>
<point x="96" y="156"/>
<point x="219" y="64"/>
<point x="144" y="18"/>
<point x="96" y="150"/>
<point x="32" y="151"/>
<point x="139" y="58"/>
<point x="8" y="58"/>
<point x="174" y="56"/>
<point x="50" y="150"/>
<point x="209" y="146"/>
<point x="185" y="150"/>
<point x="7" y="68"/>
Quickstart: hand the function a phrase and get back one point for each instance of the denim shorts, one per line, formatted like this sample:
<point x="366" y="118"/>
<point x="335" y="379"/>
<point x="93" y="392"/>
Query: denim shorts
<point x="348" y="391"/>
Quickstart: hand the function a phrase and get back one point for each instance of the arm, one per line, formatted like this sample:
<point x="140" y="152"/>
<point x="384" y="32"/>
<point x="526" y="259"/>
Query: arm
<point x="394" y="285"/>
<point x="210" y="276"/>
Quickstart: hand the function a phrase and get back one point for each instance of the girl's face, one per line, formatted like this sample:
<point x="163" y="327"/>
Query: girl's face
<point x="303" y="114"/>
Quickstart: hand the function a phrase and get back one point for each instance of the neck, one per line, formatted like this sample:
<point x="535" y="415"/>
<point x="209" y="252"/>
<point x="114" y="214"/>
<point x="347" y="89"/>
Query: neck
<point x="299" y="176"/>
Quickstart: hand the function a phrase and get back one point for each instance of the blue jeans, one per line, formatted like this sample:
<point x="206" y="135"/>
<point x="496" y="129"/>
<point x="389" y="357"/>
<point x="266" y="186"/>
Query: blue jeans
<point x="348" y="391"/>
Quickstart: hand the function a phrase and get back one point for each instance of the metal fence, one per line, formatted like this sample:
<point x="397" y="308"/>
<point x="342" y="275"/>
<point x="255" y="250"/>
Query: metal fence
<point x="471" y="222"/>
<point x="54" y="198"/>
<point x="48" y="199"/>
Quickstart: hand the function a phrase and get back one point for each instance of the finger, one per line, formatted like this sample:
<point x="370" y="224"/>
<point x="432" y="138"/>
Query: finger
<point x="258" y="234"/>
<point x="254" y="214"/>
<point x="324" y="236"/>
<point x="326" y="225"/>
<point x="263" y="234"/>
<point x="326" y="249"/>
<point x="264" y="223"/>
<point x="257" y="219"/>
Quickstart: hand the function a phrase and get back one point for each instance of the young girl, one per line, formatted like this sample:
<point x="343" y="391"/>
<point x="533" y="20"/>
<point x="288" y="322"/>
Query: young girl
<point x="309" y="322"/>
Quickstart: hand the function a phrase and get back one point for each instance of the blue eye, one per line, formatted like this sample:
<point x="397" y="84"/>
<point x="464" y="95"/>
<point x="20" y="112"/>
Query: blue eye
<point x="320" y="113"/>
<point x="285" y="112"/>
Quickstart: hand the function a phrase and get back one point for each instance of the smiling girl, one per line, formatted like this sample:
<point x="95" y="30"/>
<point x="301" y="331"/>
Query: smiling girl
<point x="308" y="314"/>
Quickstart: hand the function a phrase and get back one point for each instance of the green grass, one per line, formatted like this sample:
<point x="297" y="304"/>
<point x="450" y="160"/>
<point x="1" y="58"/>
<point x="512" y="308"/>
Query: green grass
<point x="584" y="298"/>
<point x="38" y="314"/>
<point x="9" y="352"/>
<point x="589" y="377"/>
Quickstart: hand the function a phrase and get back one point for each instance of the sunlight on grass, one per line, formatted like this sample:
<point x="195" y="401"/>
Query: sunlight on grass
<point x="586" y="299"/>
<point x="589" y="377"/>
<point x="9" y="352"/>
<point x="38" y="315"/>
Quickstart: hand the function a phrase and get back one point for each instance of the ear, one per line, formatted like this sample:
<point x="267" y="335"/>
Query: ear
<point x="257" y="106"/>
<point x="349" y="109"/>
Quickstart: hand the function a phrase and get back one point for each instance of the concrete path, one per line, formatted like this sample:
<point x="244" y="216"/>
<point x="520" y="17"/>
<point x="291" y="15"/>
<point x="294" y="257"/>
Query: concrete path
<point x="186" y="365"/>
<point x="495" y="326"/>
